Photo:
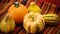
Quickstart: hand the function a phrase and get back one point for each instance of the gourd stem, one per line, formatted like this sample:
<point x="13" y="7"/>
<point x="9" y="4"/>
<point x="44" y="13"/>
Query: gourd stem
<point x="7" y="16"/>
<point x="32" y="18"/>
<point x="16" y="4"/>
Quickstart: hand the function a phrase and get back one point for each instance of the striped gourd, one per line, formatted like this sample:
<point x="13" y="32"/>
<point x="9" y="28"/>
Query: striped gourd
<point x="33" y="22"/>
<point x="51" y="19"/>
<point x="7" y="24"/>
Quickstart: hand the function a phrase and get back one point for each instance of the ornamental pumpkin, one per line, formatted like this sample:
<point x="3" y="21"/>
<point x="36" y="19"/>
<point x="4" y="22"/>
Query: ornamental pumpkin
<point x="7" y="24"/>
<point x="33" y="22"/>
<point x="17" y="11"/>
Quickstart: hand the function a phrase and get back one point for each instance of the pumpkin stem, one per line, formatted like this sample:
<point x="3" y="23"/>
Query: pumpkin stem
<point x="16" y="4"/>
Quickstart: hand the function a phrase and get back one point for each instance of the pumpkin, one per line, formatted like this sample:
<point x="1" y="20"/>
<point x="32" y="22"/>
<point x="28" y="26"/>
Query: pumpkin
<point x="33" y="22"/>
<point x="17" y="11"/>
<point x="7" y="24"/>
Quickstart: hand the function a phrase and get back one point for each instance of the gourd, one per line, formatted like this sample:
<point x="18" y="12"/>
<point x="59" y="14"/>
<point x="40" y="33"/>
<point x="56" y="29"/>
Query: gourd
<point x="51" y="19"/>
<point x="17" y="11"/>
<point x="34" y="8"/>
<point x="7" y="24"/>
<point x="33" y="22"/>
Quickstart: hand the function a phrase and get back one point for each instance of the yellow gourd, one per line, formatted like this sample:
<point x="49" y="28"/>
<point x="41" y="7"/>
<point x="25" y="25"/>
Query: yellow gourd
<point x="7" y="24"/>
<point x="33" y="22"/>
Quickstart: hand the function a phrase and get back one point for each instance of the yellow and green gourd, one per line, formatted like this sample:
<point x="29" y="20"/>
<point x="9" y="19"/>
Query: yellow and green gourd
<point x="51" y="19"/>
<point x="7" y="24"/>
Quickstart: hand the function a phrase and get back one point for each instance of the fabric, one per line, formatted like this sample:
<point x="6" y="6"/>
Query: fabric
<point x="24" y="2"/>
<point x="57" y="2"/>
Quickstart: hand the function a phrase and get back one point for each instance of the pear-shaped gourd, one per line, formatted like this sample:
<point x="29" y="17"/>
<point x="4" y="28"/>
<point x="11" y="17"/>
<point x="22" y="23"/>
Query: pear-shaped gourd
<point x="7" y="24"/>
<point x="33" y="22"/>
<point x="34" y="8"/>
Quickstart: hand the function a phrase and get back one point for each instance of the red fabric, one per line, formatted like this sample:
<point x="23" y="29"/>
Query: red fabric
<point x="39" y="2"/>
<point x="57" y="2"/>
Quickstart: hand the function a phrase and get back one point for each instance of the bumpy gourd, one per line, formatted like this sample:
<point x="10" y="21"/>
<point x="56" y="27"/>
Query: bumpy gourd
<point x="33" y="22"/>
<point x="34" y="8"/>
<point x="7" y="24"/>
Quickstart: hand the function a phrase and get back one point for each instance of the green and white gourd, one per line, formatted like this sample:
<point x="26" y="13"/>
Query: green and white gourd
<point x="51" y="19"/>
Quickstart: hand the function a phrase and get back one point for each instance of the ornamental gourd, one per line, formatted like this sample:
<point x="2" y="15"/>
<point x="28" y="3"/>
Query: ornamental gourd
<point x="34" y="8"/>
<point x="7" y="24"/>
<point x="51" y="19"/>
<point x="17" y="11"/>
<point x="33" y="22"/>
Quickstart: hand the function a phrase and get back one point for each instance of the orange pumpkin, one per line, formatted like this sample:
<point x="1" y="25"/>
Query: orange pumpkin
<point x="17" y="11"/>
